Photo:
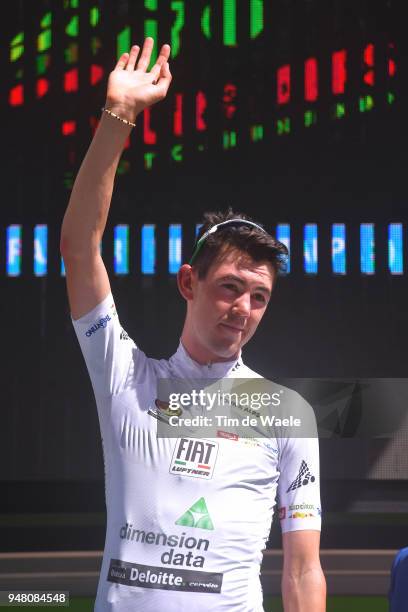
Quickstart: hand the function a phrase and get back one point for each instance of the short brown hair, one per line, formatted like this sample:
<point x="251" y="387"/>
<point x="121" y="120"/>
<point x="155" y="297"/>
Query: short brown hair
<point x="258" y="244"/>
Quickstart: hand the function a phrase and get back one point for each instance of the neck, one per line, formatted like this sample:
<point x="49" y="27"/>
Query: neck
<point x="201" y="354"/>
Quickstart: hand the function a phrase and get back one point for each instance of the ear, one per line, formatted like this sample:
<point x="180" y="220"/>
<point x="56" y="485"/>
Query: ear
<point x="186" y="279"/>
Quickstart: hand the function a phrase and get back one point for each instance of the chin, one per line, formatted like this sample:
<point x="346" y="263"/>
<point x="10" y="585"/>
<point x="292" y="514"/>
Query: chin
<point x="224" y="351"/>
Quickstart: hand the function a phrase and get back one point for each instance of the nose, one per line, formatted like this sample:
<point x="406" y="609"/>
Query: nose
<point x="242" y="305"/>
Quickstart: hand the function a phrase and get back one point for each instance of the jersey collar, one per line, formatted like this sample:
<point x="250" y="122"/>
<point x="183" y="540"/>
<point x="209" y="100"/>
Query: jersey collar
<point x="184" y="365"/>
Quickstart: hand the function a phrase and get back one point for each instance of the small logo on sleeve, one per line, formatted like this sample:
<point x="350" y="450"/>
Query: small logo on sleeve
<point x="101" y="324"/>
<point x="303" y="478"/>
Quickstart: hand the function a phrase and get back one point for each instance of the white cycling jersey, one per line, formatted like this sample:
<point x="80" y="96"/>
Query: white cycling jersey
<point x="187" y="518"/>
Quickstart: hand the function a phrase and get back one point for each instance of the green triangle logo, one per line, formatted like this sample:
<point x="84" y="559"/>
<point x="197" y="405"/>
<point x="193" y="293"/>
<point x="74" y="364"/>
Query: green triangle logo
<point x="196" y="516"/>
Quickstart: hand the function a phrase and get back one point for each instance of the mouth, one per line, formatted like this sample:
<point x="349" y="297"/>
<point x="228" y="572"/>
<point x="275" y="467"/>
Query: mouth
<point x="233" y="328"/>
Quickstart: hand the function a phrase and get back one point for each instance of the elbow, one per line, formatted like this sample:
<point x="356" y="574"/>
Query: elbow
<point x="304" y="590"/>
<point x="78" y="247"/>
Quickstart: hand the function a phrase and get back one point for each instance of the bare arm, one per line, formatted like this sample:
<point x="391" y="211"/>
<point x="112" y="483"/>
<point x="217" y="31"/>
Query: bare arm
<point x="130" y="90"/>
<point x="303" y="582"/>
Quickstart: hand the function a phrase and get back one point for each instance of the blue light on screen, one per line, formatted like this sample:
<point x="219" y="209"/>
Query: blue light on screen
<point x="40" y="250"/>
<point x="367" y="248"/>
<point x="174" y="248"/>
<point x="121" y="249"/>
<point x="148" y="249"/>
<point x="339" y="248"/>
<point x="395" y="248"/>
<point x="310" y="248"/>
<point x="14" y="250"/>
<point x="283" y="235"/>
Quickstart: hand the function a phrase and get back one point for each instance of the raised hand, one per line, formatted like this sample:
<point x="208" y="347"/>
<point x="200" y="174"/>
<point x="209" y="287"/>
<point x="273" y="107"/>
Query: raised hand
<point x="131" y="88"/>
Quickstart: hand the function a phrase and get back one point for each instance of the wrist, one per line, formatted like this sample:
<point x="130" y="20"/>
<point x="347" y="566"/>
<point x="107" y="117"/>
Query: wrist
<point x="123" y="110"/>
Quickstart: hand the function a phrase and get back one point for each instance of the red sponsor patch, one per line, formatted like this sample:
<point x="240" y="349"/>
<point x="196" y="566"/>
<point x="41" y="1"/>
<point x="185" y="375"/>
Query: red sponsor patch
<point x="227" y="435"/>
<point x="282" y="513"/>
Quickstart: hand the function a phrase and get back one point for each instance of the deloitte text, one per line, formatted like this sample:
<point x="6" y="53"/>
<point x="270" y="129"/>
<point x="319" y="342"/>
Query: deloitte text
<point x="153" y="577"/>
<point x="170" y="556"/>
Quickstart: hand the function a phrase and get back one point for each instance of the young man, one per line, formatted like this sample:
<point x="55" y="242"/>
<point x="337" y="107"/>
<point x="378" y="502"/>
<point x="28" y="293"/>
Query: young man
<point x="187" y="518"/>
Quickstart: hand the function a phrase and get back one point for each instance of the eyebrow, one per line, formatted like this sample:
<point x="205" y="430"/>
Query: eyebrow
<point x="239" y="280"/>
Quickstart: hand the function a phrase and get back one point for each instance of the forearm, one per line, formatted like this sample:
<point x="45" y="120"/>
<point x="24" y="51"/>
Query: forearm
<point x="304" y="591"/>
<point x="87" y="212"/>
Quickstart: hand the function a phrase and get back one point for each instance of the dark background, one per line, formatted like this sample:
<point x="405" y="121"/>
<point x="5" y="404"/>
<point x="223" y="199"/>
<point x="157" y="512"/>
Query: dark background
<point x="351" y="170"/>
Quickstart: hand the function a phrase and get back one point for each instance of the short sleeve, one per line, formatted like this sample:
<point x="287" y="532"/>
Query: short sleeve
<point x="299" y="484"/>
<point x="299" y="479"/>
<point x="110" y="355"/>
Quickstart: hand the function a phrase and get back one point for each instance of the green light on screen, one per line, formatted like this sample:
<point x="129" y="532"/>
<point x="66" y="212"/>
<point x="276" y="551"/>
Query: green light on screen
<point x="256" y="18"/>
<point x="46" y="20"/>
<point x="151" y="5"/>
<point x="42" y="64"/>
<point x="18" y="39"/>
<point x="339" y="110"/>
<point x="390" y="97"/>
<point x="16" y="52"/>
<point x="230" y="23"/>
<point x="229" y="139"/>
<point x="72" y="28"/>
<point x="177" y="152"/>
<point x="74" y="3"/>
<point x="94" y="16"/>
<point x="71" y="53"/>
<point x="310" y="118"/>
<point x="148" y="159"/>
<point x="205" y="21"/>
<point x="283" y="126"/>
<point x="44" y="41"/>
<point x="17" y="47"/>
<point x="257" y="133"/>
<point x="123" y="42"/>
<point x="178" y="7"/>
<point x="150" y="29"/>
<point x="366" y="103"/>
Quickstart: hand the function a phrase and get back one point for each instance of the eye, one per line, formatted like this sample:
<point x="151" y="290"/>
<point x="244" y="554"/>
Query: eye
<point x="230" y="287"/>
<point x="260" y="297"/>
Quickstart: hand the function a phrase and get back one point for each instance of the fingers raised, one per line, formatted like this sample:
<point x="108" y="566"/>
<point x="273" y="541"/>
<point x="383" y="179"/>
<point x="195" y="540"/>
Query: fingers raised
<point x="146" y="54"/>
<point x="164" y="80"/>
<point x="134" y="52"/>
<point x="163" y="55"/>
<point x="122" y="61"/>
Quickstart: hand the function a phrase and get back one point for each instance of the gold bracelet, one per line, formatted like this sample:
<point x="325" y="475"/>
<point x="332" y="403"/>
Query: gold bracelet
<point x="106" y="110"/>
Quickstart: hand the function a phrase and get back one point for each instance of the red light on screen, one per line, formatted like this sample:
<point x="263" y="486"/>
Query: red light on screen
<point x="369" y="61"/>
<point x="178" y="116"/>
<point x="391" y="67"/>
<point x="42" y="87"/>
<point x="339" y="72"/>
<point x="68" y="128"/>
<point x="71" y="80"/>
<point x="369" y="55"/>
<point x="201" y="105"/>
<point x="96" y="74"/>
<point x="311" y="80"/>
<point x="16" y="95"/>
<point x="283" y="84"/>
<point x="149" y="136"/>
<point x="230" y="93"/>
